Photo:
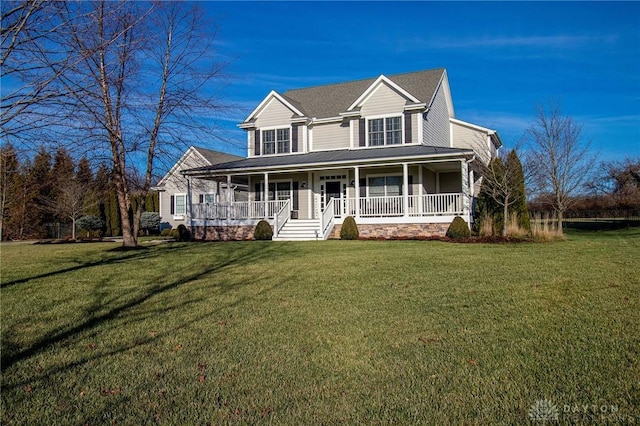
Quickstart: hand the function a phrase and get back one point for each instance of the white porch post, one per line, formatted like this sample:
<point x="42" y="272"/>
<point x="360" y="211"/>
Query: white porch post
<point x="229" y="209"/>
<point x="188" y="208"/>
<point x="309" y="195"/>
<point x="266" y="195"/>
<point x="356" y="175"/>
<point x="466" y="207"/>
<point x="405" y="192"/>
<point x="420" y="190"/>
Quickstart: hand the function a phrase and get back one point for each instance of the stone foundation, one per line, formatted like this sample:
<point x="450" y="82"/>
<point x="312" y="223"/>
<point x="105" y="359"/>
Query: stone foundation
<point x="223" y="233"/>
<point x="397" y="231"/>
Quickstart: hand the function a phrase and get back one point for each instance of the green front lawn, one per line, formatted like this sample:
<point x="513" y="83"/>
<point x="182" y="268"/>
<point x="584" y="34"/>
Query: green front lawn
<point x="321" y="332"/>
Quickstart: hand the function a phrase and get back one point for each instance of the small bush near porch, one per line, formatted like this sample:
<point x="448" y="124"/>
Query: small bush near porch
<point x="404" y="332"/>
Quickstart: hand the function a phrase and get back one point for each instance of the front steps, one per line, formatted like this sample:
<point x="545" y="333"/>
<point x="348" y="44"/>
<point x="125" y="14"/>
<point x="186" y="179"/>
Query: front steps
<point x="300" y="230"/>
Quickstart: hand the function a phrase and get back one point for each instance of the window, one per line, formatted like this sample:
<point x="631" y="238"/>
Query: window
<point x="394" y="131"/>
<point x="283" y="141"/>
<point x="376" y="132"/>
<point x="276" y="141"/>
<point x="180" y="204"/>
<point x="279" y="191"/>
<point x="268" y="142"/>
<point x="385" y="131"/>
<point x="207" y="198"/>
<point x="385" y="186"/>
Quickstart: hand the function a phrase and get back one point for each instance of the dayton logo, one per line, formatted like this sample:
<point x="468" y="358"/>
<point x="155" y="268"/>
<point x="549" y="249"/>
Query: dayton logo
<point x="543" y="410"/>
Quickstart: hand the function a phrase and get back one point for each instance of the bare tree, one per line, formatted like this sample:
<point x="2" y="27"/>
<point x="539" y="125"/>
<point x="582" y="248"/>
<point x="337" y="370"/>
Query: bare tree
<point x="559" y="159"/>
<point x="137" y="78"/>
<point x="70" y="202"/>
<point x="29" y="63"/>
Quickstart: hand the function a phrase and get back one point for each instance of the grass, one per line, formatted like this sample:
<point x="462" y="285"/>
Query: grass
<point x="321" y="332"/>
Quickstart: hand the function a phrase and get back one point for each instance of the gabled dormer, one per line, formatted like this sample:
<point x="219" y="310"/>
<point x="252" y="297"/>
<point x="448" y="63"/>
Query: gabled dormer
<point x="273" y="128"/>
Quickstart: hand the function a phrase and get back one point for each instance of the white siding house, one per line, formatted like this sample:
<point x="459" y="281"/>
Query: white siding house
<point x="388" y="151"/>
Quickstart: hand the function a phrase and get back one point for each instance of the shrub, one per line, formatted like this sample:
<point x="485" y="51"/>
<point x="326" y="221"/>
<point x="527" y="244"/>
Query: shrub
<point x="166" y="232"/>
<point x="263" y="231"/>
<point x="90" y="223"/>
<point x="174" y="233"/>
<point x="349" y="230"/>
<point x="183" y="233"/>
<point x="149" y="221"/>
<point x="458" y="229"/>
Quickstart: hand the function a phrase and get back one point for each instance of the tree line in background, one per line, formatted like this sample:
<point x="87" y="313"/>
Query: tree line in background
<point x="52" y="195"/>
<point x="127" y="80"/>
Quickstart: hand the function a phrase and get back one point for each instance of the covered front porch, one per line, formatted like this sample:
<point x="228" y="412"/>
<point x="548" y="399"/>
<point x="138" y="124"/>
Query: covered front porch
<point x="390" y="192"/>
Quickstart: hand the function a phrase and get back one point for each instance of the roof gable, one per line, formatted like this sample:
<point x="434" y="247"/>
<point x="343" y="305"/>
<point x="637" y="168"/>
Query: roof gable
<point x="375" y="86"/>
<point x="293" y="105"/>
<point x="200" y="155"/>
<point x="333" y="99"/>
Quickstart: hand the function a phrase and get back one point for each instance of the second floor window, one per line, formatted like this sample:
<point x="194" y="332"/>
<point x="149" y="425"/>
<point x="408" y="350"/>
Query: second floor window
<point x="276" y="141"/>
<point x="385" y="131"/>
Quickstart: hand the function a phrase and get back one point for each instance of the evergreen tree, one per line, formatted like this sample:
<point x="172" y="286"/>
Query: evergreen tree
<point x="487" y="209"/>
<point x="39" y="188"/>
<point x="8" y="180"/>
<point x="520" y="206"/>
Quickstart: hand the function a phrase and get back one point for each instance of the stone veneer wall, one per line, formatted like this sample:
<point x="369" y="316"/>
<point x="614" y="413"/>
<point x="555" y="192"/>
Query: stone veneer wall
<point x="223" y="233"/>
<point x="400" y="230"/>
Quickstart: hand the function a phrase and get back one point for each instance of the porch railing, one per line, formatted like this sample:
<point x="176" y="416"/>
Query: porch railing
<point x="328" y="216"/>
<point x="419" y="205"/>
<point x="239" y="210"/>
<point x="281" y="217"/>
<point x="393" y="206"/>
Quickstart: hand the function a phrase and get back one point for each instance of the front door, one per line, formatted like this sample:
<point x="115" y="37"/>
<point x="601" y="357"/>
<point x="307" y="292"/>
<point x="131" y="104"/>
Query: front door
<point x="332" y="191"/>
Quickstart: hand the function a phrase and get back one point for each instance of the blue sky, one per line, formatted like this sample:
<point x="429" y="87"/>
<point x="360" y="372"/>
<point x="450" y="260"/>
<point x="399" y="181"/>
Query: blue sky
<point x="502" y="58"/>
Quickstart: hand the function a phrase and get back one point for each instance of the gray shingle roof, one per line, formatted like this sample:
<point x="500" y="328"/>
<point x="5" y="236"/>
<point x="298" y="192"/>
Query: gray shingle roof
<point x="330" y="100"/>
<point x="331" y="158"/>
<point x="216" y="157"/>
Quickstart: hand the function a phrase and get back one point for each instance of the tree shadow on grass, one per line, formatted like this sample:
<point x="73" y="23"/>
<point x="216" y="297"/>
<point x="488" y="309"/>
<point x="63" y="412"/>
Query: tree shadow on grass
<point x="82" y="264"/>
<point x="248" y="254"/>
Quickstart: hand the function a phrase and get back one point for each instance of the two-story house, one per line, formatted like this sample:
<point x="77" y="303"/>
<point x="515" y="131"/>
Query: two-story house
<point x="387" y="151"/>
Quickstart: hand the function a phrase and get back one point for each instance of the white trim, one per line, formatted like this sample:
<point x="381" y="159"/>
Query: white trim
<point x="450" y="133"/>
<point x="310" y="192"/>
<point x="416" y="107"/>
<point x="305" y="138"/>
<point x="276" y="128"/>
<point x="472" y="126"/>
<point x="273" y="94"/>
<point x="421" y="127"/>
<point x="192" y="150"/>
<point x="327" y="120"/>
<point x="374" y="86"/>
<point x="249" y="153"/>
<point x="351" y="137"/>
<point x="176" y="215"/>
<point x="384" y="130"/>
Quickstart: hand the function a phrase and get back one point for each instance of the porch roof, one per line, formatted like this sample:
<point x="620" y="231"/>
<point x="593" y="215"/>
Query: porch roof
<point x="333" y="159"/>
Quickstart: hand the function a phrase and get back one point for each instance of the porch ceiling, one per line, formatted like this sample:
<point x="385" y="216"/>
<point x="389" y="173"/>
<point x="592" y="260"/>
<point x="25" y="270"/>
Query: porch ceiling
<point x="330" y="159"/>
